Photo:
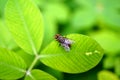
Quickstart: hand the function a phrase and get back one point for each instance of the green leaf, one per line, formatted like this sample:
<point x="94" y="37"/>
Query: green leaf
<point x="59" y="75"/>
<point x="111" y="13"/>
<point x="53" y="9"/>
<point x="109" y="62"/>
<point x="2" y="6"/>
<point x="107" y="75"/>
<point x="25" y="23"/>
<point x="51" y="27"/>
<point x="117" y="66"/>
<point x="39" y="75"/>
<point x="8" y="79"/>
<point x="11" y="65"/>
<point x="85" y="15"/>
<point x="99" y="10"/>
<point x="82" y="19"/>
<point x="26" y="57"/>
<point x="6" y="42"/>
<point x="85" y="54"/>
<point x="107" y="39"/>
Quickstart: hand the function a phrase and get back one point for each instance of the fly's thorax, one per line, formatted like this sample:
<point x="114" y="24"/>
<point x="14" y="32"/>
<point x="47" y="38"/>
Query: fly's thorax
<point x="61" y="39"/>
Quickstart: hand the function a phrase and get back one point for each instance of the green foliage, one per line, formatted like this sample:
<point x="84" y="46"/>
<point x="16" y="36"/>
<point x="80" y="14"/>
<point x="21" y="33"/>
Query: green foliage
<point x="53" y="9"/>
<point x="109" y="62"/>
<point x="57" y="74"/>
<point x="39" y="75"/>
<point x="105" y="38"/>
<point x="11" y="65"/>
<point x="117" y="66"/>
<point x="111" y="13"/>
<point x="49" y="27"/>
<point x="29" y="32"/>
<point x="2" y="6"/>
<point x="107" y="75"/>
<point x="26" y="57"/>
<point x="84" y="17"/>
<point x="6" y="40"/>
<point x="50" y="16"/>
<point x="105" y="11"/>
<point x="85" y="53"/>
<point x="98" y="18"/>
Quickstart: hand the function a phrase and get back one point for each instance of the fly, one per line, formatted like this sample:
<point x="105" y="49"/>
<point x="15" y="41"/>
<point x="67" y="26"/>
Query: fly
<point x="64" y="42"/>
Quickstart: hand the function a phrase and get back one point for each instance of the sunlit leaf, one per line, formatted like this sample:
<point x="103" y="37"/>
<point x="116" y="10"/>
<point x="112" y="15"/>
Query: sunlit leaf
<point x="11" y="65"/>
<point x="25" y="23"/>
<point x="39" y="75"/>
<point x="26" y="57"/>
<point x="85" y="54"/>
<point x="6" y="40"/>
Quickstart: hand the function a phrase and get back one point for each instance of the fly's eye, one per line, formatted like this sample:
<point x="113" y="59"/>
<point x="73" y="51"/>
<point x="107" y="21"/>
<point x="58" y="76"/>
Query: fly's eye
<point x="57" y="35"/>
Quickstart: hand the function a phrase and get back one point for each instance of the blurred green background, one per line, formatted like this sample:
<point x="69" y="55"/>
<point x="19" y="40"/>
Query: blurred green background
<point x="99" y="19"/>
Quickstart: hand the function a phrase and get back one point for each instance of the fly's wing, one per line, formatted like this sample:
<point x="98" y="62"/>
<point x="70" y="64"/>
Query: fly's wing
<point x="68" y="41"/>
<point x="65" y="46"/>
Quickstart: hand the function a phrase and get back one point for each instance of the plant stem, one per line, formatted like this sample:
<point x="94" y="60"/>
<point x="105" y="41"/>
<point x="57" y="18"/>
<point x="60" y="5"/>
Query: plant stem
<point x="33" y="63"/>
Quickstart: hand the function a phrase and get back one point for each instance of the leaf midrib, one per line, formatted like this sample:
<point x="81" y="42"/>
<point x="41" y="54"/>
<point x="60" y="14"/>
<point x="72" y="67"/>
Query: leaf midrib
<point x="26" y="28"/>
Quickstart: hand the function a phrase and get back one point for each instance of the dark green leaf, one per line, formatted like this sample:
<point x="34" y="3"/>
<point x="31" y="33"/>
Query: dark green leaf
<point x="117" y="66"/>
<point x="109" y="62"/>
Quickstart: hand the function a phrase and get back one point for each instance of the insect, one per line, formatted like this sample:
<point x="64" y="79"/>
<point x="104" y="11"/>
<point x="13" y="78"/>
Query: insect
<point x="64" y="42"/>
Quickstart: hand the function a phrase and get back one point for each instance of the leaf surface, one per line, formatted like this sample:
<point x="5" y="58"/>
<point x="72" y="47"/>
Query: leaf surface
<point x="6" y="41"/>
<point x="85" y="54"/>
<point x="25" y="23"/>
<point x="39" y="75"/>
<point x="11" y="65"/>
<point x="117" y="66"/>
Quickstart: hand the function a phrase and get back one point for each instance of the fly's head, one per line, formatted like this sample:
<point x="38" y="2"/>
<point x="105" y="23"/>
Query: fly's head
<point x="57" y="36"/>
